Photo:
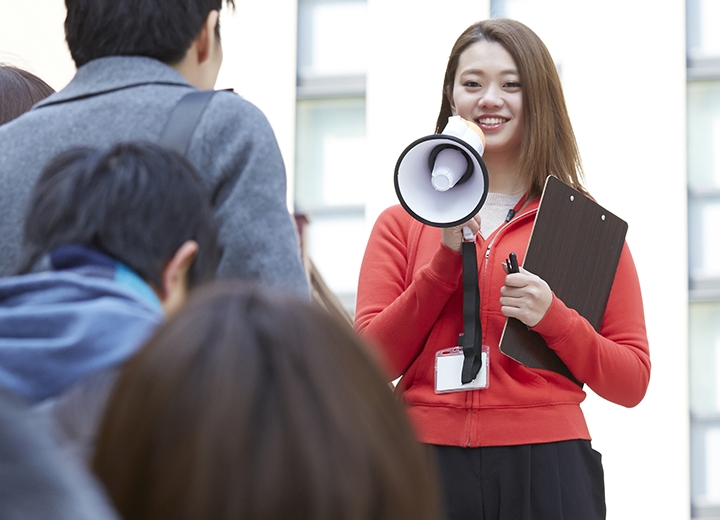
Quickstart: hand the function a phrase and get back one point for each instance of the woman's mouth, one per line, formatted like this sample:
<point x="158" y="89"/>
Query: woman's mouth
<point x="491" y="121"/>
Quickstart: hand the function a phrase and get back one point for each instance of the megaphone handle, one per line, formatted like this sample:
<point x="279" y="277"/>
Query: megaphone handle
<point x="468" y="235"/>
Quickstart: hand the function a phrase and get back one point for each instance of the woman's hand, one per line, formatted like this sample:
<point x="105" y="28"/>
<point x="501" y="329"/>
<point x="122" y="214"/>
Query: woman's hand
<point x="453" y="237"/>
<point x="525" y="296"/>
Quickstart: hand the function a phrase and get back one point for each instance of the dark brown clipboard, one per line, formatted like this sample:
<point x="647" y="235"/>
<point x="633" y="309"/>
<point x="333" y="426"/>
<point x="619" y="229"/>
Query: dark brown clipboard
<point x="575" y="247"/>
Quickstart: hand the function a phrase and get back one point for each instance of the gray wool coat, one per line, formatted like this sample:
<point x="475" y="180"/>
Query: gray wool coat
<point x="122" y="98"/>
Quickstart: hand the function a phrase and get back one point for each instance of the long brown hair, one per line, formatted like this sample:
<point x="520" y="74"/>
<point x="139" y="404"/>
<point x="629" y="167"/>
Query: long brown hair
<point x="548" y="145"/>
<point x="250" y="405"/>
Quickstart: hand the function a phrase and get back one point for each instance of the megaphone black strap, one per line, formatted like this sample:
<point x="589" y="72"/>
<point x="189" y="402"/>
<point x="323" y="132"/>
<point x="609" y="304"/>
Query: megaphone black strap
<point x="471" y="338"/>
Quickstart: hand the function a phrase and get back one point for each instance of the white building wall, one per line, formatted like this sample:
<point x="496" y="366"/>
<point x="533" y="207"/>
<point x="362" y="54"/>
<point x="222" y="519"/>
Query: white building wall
<point x="408" y="50"/>
<point x="624" y="73"/>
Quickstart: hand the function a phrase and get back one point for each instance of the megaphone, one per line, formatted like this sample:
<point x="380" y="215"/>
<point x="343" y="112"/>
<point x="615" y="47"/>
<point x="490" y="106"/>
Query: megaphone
<point x="441" y="179"/>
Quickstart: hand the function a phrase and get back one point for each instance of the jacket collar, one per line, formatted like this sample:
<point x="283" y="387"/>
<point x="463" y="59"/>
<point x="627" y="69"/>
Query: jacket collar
<point x="112" y="73"/>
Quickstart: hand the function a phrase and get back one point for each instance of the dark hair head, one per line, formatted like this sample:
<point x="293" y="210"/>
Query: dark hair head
<point x="160" y="29"/>
<point x="253" y="405"/>
<point x="19" y="91"/>
<point x="136" y="202"/>
<point x="548" y="146"/>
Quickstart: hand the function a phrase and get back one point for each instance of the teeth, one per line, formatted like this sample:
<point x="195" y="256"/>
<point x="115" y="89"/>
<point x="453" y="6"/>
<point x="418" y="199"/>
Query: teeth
<point x="492" y="121"/>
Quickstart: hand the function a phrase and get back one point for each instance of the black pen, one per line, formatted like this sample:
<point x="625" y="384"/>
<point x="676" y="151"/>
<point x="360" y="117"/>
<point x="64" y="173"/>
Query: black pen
<point x="512" y="264"/>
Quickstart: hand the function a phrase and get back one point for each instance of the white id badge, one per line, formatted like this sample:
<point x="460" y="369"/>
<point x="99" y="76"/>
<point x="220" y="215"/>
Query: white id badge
<point x="448" y="371"/>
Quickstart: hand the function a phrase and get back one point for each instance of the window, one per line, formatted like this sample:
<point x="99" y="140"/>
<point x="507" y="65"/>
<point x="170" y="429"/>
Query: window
<point x="705" y="407"/>
<point x="704" y="187"/>
<point x="703" y="38"/>
<point x="330" y="142"/>
<point x="703" y="102"/>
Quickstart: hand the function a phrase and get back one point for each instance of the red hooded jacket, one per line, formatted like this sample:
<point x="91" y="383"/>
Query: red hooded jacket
<point x="410" y="305"/>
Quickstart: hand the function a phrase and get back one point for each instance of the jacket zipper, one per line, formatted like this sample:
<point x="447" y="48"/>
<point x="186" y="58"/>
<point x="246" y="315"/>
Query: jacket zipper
<point x="502" y="228"/>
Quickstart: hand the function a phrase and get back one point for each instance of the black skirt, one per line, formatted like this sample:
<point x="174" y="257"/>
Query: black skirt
<point x="553" y="481"/>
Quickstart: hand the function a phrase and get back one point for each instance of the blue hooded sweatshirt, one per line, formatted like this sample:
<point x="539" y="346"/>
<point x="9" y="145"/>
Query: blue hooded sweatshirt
<point x="89" y="314"/>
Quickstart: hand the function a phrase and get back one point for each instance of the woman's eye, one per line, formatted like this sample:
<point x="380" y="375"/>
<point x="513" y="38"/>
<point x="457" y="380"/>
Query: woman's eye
<point x="513" y="84"/>
<point x="472" y="84"/>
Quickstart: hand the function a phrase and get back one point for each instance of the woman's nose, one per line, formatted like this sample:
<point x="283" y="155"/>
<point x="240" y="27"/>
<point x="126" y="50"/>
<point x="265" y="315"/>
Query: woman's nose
<point x="491" y="97"/>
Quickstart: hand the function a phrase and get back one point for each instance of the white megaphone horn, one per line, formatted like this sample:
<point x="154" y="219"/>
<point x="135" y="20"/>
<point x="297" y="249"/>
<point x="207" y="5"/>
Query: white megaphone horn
<point x="441" y="179"/>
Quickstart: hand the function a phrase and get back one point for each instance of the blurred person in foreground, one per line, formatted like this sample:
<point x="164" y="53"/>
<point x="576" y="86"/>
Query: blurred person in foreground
<point x="37" y="478"/>
<point x="251" y="405"/>
<point x="124" y="233"/>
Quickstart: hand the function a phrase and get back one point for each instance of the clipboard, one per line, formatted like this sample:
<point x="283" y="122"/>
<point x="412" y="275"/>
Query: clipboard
<point x="575" y="247"/>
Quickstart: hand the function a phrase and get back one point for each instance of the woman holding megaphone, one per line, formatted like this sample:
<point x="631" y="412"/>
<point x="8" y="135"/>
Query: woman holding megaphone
<point x="513" y="443"/>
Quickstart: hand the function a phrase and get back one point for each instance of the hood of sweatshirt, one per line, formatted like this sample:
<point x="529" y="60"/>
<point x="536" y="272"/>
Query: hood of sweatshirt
<point x="59" y="326"/>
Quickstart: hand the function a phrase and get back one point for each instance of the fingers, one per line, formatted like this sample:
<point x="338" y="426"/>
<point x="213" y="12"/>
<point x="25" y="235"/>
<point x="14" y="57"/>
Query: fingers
<point x="517" y="296"/>
<point x="526" y="297"/>
<point x="474" y="224"/>
<point x="453" y="237"/>
<point x="521" y="279"/>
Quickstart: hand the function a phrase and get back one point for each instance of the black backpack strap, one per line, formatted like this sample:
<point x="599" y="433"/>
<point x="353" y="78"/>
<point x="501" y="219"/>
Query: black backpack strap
<point x="184" y="119"/>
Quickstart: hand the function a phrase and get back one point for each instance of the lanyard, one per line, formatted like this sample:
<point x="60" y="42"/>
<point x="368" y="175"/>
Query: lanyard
<point x="520" y="205"/>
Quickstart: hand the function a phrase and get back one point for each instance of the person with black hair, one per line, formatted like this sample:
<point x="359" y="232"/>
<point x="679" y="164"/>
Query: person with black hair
<point x="136" y="59"/>
<point x="126" y="233"/>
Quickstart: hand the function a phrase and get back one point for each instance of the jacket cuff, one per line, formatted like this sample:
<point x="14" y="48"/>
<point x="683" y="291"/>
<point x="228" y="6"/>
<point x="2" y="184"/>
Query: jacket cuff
<point x="557" y="322"/>
<point x="445" y="266"/>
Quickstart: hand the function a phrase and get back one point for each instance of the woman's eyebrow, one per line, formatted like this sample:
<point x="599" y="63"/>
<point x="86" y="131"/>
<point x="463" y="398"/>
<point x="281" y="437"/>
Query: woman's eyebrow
<point x="476" y="71"/>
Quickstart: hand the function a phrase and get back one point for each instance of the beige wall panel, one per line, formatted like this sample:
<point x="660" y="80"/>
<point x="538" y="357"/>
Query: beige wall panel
<point x="32" y="37"/>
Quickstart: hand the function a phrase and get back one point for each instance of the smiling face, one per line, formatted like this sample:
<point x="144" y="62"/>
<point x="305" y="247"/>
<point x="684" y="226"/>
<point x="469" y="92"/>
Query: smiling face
<point x="487" y="90"/>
